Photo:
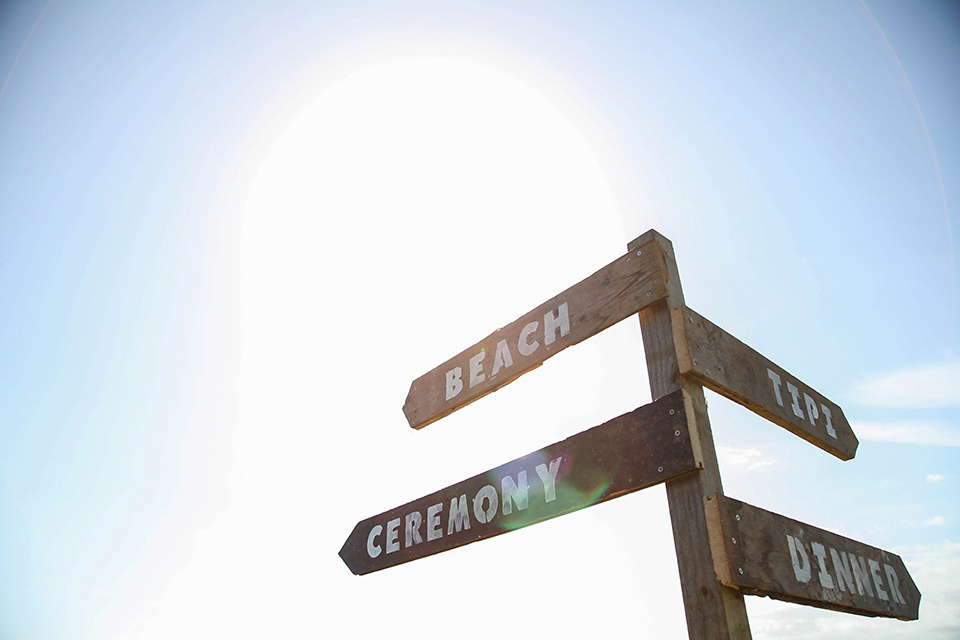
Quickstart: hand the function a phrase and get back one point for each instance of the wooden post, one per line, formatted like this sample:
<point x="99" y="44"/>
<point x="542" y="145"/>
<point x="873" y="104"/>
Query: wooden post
<point x="714" y="612"/>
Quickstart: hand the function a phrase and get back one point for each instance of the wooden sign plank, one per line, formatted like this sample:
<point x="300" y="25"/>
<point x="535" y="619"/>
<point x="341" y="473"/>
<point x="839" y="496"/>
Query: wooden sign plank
<point x="766" y="554"/>
<point x="720" y="362"/>
<point x="636" y="450"/>
<point x="623" y="287"/>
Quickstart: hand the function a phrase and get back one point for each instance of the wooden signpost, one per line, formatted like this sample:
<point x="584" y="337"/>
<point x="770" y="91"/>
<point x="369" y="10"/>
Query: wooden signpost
<point x="766" y="554"/>
<point x="712" y="609"/>
<point x="725" y="548"/>
<point x="720" y="362"/>
<point x="639" y="449"/>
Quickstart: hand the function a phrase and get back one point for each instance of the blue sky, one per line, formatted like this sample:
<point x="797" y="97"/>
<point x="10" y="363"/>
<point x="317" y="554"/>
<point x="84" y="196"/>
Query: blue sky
<point x="231" y="235"/>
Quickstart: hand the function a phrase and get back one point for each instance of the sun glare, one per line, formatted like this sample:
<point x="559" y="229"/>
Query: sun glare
<point x="427" y="150"/>
<point x="423" y="137"/>
<point x="398" y="179"/>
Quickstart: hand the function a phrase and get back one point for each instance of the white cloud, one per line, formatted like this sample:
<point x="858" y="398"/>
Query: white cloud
<point x="934" y="478"/>
<point x="934" y="385"/>
<point x="744" y="459"/>
<point x="930" y="433"/>
<point x="935" y="521"/>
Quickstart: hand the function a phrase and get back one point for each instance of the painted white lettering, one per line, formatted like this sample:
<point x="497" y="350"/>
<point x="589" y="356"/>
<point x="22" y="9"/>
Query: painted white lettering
<point x="812" y="412"/>
<point x="795" y="393"/>
<point x="814" y="409"/>
<point x="433" y="521"/>
<point x="393" y="535"/>
<point x="894" y="581"/>
<point x="877" y="580"/>
<point x="459" y="515"/>
<point x="514" y="494"/>
<point x="841" y="567"/>
<point x="800" y="559"/>
<point x="454" y="383"/>
<point x="476" y="369"/>
<point x="551" y="323"/>
<point x="412" y="529"/>
<point x="826" y="581"/>
<point x="524" y="346"/>
<point x="826" y="414"/>
<point x="503" y="357"/>
<point x="549" y="479"/>
<point x="485" y="515"/>
<point x="859" y="566"/>
<point x="775" y="379"/>
<point x="373" y="549"/>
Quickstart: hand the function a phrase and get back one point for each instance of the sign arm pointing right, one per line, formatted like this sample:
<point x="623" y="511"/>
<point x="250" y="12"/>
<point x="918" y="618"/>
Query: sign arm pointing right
<point x="763" y="553"/>
<point x="717" y="360"/>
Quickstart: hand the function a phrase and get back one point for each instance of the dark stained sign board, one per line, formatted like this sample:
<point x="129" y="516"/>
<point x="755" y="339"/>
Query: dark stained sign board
<point x="636" y="450"/>
<point x="762" y="553"/>
<point x="714" y="358"/>
<point x="618" y="290"/>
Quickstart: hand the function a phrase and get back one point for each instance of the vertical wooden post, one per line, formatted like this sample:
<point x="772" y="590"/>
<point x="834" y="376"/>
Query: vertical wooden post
<point x="714" y="612"/>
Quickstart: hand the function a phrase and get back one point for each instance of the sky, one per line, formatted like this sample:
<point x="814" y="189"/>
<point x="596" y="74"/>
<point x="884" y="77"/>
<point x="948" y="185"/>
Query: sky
<point x="231" y="235"/>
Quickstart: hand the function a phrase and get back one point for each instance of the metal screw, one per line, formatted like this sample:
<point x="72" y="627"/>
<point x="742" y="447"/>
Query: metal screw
<point x="639" y="252"/>
<point x="734" y="540"/>
<point x="628" y="258"/>
<point x="741" y="571"/>
<point x="648" y="294"/>
<point x="738" y="517"/>
<point x="677" y="433"/>
<point x="672" y="411"/>
<point x="660" y="469"/>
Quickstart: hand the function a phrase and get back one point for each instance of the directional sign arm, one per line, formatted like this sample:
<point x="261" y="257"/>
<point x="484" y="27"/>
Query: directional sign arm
<point x="720" y="362"/>
<point x="623" y="287"/>
<point x="766" y="554"/>
<point x="636" y="450"/>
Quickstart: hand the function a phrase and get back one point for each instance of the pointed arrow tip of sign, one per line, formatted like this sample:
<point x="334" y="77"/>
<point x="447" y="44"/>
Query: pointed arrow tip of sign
<point x="409" y="411"/>
<point x="348" y="552"/>
<point x="345" y="556"/>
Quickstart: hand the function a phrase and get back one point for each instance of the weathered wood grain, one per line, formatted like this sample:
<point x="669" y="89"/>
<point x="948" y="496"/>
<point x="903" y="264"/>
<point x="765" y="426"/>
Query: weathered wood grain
<point x="767" y="554"/>
<point x="719" y="361"/>
<point x="626" y="285"/>
<point x="713" y="611"/>
<point x="636" y="450"/>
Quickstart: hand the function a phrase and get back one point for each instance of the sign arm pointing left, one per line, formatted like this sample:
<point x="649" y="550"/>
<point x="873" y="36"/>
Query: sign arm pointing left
<point x="636" y="450"/>
<point x="623" y="287"/>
